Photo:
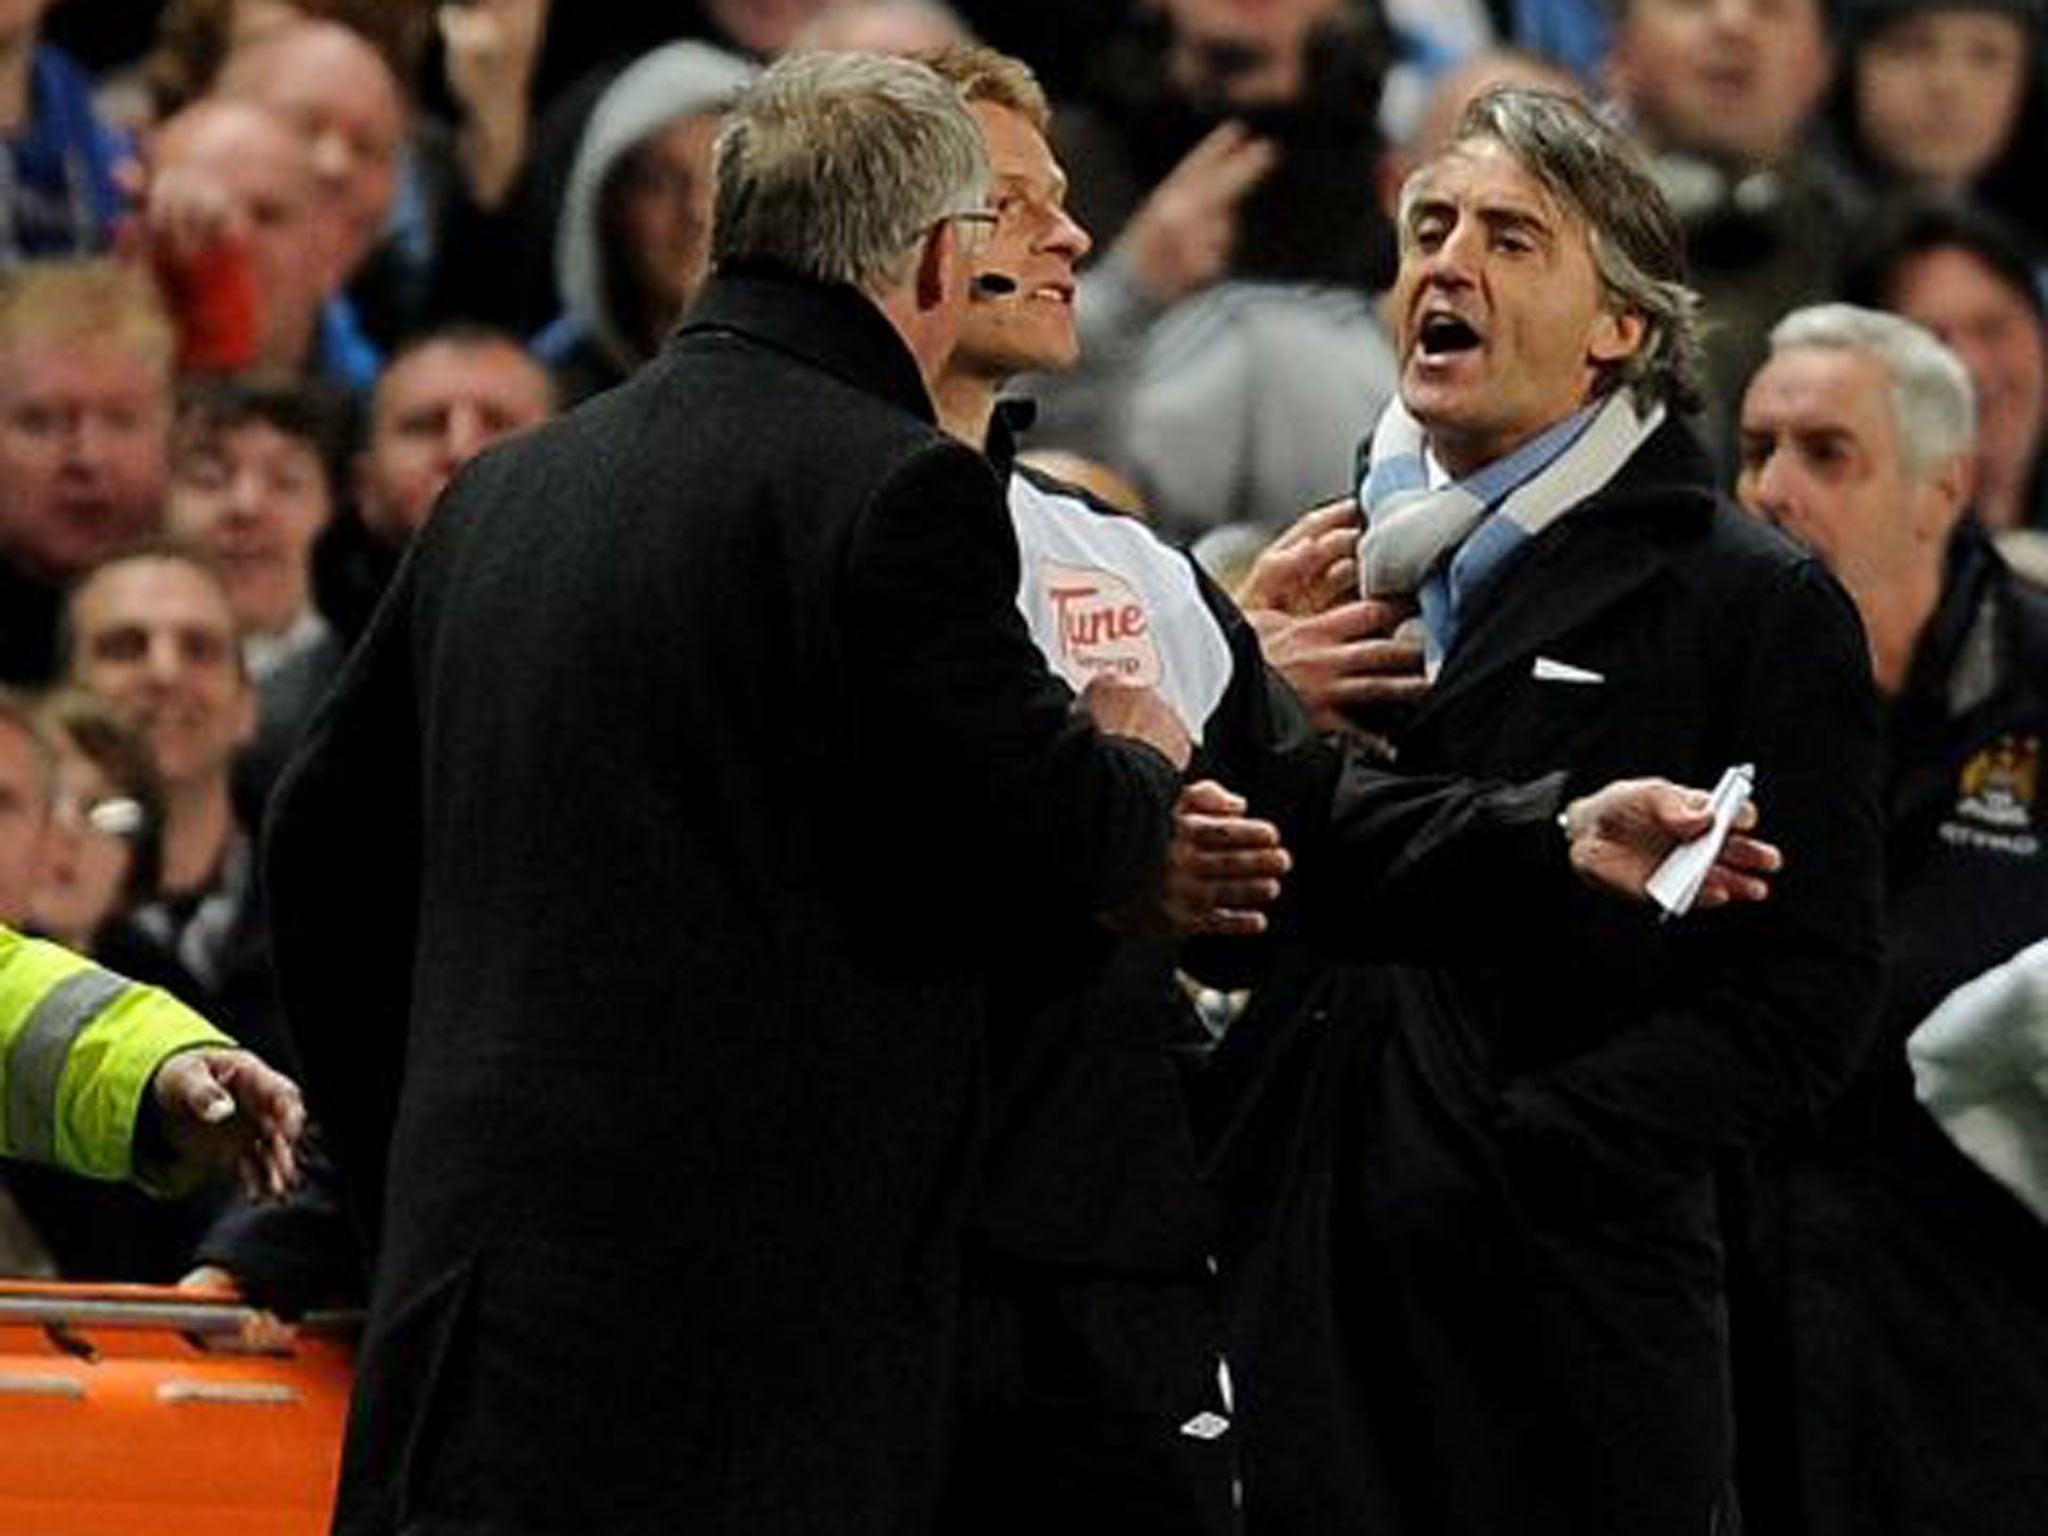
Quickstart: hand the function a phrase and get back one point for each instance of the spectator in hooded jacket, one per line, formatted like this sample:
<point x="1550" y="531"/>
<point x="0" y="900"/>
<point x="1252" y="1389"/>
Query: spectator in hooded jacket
<point x="634" y="240"/>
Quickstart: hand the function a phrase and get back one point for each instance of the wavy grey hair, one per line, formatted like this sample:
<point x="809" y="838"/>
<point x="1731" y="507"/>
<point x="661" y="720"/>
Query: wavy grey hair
<point x="1597" y="173"/>
<point x="1933" y="400"/>
<point x="836" y="164"/>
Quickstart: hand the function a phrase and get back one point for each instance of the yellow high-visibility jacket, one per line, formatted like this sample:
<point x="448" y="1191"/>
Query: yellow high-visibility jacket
<point x="78" y="1045"/>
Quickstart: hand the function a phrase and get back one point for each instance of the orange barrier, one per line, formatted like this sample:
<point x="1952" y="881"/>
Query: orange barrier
<point x="143" y="1410"/>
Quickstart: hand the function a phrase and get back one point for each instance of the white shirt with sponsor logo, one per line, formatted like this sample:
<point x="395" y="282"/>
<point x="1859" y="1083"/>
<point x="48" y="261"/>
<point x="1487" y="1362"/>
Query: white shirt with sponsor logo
<point x="1102" y="595"/>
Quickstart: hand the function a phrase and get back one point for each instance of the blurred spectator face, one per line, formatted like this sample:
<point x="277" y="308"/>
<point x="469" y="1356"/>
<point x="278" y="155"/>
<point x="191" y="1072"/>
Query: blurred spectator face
<point x="436" y="408"/>
<point x="1466" y="82"/>
<point x="1035" y="243"/>
<point x="1822" y="458"/>
<point x="1487" y="69"/>
<point x="24" y="819"/>
<point x="663" y="209"/>
<point x="1502" y="323"/>
<point x="340" y="97"/>
<point x="154" y="636"/>
<point x="253" y="498"/>
<point x="1728" y="79"/>
<point x="19" y="19"/>
<point x="253" y="20"/>
<point x="1267" y="27"/>
<point x="851" y="27"/>
<point x="84" y="450"/>
<point x="87" y="858"/>
<point x="248" y="160"/>
<point x="763" y="26"/>
<point x="1938" y="93"/>
<point x="1249" y="50"/>
<point x="1995" y="332"/>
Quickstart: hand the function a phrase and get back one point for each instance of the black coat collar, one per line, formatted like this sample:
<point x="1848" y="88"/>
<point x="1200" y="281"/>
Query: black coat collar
<point x="829" y="325"/>
<point x="1010" y="420"/>
<point x="1973" y="575"/>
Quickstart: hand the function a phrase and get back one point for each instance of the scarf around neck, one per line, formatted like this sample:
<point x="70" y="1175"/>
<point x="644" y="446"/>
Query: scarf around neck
<point x="1443" y="543"/>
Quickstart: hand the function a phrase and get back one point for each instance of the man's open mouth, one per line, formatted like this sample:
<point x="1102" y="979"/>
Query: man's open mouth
<point x="1444" y="334"/>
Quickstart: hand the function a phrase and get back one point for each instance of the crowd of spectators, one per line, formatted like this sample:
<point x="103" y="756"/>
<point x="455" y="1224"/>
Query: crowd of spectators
<point x="271" y="271"/>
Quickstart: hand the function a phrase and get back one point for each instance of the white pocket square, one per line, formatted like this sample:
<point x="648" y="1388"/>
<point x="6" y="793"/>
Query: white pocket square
<point x="1549" y="671"/>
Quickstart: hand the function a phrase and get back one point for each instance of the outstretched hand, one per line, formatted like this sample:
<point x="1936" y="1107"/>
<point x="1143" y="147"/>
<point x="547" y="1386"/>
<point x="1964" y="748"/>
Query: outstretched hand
<point x="223" y="1107"/>
<point x="1621" y="833"/>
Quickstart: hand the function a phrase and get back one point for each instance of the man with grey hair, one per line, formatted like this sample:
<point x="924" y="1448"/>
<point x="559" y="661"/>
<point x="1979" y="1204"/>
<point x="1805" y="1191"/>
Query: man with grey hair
<point x="1892" y="1360"/>
<point x="1471" y="1232"/>
<point x="1912" y="434"/>
<point x="632" y="889"/>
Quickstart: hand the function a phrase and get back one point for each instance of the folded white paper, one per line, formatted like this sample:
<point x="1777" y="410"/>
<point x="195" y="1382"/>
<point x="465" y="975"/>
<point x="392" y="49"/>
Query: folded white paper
<point x="1547" y="670"/>
<point x="1678" y="879"/>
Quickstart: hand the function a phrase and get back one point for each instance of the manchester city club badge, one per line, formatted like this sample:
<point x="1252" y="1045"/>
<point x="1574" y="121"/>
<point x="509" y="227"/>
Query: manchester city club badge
<point x="1996" y="798"/>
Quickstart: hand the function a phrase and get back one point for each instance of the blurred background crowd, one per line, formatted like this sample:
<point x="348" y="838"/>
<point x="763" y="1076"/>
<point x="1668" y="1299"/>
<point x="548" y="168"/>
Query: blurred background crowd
<point x="272" y="270"/>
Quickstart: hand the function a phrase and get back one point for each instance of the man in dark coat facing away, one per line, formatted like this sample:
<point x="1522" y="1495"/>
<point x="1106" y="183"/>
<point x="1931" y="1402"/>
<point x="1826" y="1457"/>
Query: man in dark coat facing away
<point x="629" y="886"/>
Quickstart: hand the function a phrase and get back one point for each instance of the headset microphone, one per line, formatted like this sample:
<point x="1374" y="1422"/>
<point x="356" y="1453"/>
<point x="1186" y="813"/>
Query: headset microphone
<point x="993" y="285"/>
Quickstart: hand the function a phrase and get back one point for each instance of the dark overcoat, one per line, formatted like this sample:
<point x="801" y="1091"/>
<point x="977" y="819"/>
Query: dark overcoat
<point x="1471" y="1238"/>
<point x="1095" y="1405"/>
<point x="630" y="895"/>
<point x="1892" y="1321"/>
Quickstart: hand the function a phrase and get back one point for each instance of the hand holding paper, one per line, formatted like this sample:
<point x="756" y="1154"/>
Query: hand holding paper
<point x="1652" y="840"/>
<point x="1678" y="879"/>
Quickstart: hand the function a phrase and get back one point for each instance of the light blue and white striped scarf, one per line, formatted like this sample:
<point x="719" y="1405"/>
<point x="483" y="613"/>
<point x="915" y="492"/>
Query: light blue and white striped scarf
<point x="1442" y="543"/>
